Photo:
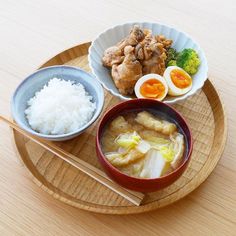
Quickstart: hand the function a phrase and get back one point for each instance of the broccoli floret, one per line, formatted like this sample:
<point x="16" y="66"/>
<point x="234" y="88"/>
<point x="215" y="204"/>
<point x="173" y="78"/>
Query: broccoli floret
<point x="171" y="55"/>
<point x="188" y="60"/>
<point x="172" y="63"/>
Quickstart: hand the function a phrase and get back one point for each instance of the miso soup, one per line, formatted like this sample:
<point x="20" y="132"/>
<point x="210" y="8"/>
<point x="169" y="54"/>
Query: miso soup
<point x="143" y="145"/>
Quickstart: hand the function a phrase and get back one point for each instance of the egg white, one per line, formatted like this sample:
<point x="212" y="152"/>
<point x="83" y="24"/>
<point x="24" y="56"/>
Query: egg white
<point x="172" y="89"/>
<point x="144" y="78"/>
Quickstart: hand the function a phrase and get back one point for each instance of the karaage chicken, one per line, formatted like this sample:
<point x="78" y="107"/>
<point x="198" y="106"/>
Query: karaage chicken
<point x="138" y="54"/>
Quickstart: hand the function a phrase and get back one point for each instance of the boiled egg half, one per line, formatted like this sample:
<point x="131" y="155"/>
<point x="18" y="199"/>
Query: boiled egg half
<point x="179" y="81"/>
<point x="151" y="86"/>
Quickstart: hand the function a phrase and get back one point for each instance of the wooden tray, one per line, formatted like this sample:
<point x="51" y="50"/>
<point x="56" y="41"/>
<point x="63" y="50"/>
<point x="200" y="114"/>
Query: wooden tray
<point x="204" y="113"/>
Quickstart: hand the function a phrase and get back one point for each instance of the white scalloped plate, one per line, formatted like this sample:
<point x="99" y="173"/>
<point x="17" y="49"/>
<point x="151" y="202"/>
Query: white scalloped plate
<point x="114" y="35"/>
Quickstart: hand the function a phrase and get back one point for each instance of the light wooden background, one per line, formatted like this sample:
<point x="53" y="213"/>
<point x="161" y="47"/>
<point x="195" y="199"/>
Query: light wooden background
<point x="33" y="31"/>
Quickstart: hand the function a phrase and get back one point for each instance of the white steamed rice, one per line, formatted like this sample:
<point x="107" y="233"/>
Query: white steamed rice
<point x="60" y="107"/>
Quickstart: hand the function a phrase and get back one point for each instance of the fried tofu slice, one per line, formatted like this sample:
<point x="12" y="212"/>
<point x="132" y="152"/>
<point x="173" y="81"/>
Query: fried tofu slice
<point x="178" y="147"/>
<point x="149" y="121"/>
<point x="120" y="125"/>
<point x="118" y="160"/>
<point x="134" y="169"/>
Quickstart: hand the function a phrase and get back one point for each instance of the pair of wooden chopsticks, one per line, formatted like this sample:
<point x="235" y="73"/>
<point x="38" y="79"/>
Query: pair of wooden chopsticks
<point x="132" y="196"/>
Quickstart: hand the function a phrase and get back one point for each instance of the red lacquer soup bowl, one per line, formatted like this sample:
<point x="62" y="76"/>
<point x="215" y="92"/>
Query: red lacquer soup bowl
<point x="141" y="184"/>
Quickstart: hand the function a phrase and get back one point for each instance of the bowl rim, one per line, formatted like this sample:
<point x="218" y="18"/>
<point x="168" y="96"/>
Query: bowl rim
<point x="99" y="131"/>
<point x="96" y="113"/>
<point x="122" y="97"/>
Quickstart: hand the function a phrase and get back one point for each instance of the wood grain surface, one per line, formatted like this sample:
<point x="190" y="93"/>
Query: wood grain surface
<point x="204" y="114"/>
<point x="34" y="31"/>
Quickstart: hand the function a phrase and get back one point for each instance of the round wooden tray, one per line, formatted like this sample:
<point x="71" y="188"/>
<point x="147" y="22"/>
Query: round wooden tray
<point x="204" y="113"/>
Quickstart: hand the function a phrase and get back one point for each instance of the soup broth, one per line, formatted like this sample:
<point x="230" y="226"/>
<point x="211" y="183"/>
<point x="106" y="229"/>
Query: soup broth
<point x="143" y="145"/>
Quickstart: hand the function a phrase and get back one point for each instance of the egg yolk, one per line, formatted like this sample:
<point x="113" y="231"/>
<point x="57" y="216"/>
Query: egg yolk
<point x="152" y="88"/>
<point x="180" y="79"/>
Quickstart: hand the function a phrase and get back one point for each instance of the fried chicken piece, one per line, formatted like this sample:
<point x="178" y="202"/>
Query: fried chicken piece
<point x="127" y="73"/>
<point x="156" y="64"/>
<point x="138" y="54"/>
<point x="145" y="49"/>
<point x="136" y="35"/>
<point x="115" y="54"/>
<point x="163" y="40"/>
<point x="152" y="55"/>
